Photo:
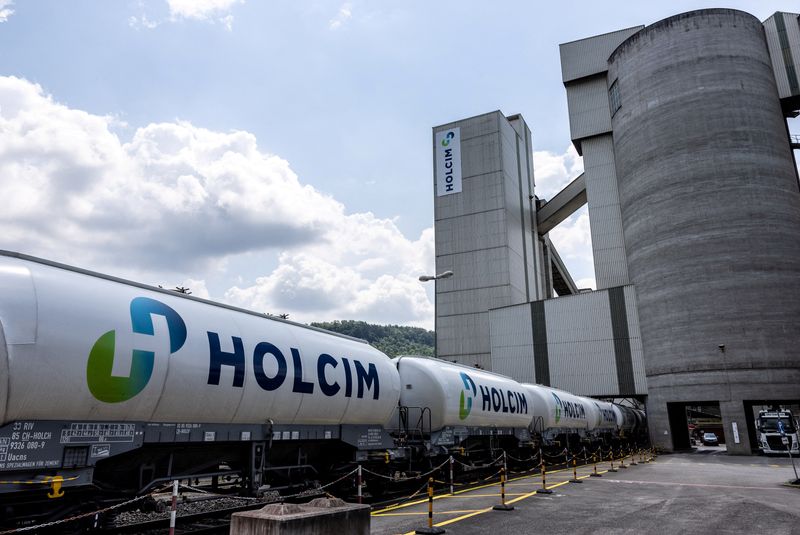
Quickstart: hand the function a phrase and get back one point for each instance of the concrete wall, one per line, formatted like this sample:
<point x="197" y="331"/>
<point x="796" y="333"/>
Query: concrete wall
<point x="485" y="235"/>
<point x="711" y="214"/>
<point x="587" y="343"/>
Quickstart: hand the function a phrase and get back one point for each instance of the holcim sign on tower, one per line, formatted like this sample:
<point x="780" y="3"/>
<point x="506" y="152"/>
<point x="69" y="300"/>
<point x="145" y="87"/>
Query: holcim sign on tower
<point x="448" y="162"/>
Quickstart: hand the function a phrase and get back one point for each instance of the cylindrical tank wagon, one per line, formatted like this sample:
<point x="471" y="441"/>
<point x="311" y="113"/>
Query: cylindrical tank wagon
<point x="103" y="380"/>
<point x="106" y="383"/>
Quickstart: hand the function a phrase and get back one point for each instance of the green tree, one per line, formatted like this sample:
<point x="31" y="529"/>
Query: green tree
<point x="393" y="340"/>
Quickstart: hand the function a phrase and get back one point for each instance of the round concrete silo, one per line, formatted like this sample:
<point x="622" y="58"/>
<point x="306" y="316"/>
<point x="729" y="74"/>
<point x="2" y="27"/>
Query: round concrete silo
<point x="711" y="214"/>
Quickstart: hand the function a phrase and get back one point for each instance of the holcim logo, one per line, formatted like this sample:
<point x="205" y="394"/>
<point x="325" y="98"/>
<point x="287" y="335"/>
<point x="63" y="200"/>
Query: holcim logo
<point x="114" y="389"/>
<point x="465" y="403"/>
<point x="446" y="141"/>
<point x="559" y="406"/>
<point x="570" y="409"/>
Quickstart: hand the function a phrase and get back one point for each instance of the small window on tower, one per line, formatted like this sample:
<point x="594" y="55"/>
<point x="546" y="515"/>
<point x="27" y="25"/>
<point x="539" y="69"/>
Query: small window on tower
<point x="613" y="98"/>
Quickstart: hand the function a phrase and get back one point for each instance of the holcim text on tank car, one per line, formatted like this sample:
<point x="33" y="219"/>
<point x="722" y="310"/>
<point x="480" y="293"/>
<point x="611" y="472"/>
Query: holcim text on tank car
<point x="365" y="378"/>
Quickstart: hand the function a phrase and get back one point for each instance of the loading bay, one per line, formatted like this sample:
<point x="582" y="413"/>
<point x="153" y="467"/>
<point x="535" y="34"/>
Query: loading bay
<point x="703" y="492"/>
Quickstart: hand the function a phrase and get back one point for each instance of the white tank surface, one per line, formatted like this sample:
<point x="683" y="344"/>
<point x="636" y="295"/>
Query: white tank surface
<point x="462" y="396"/>
<point x="626" y="418"/>
<point x="605" y="414"/>
<point x="557" y="409"/>
<point x="84" y="346"/>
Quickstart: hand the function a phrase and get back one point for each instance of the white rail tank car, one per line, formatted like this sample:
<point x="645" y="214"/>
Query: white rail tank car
<point x="557" y="409"/>
<point x="462" y="396"/>
<point x="103" y="381"/>
<point x="82" y="347"/>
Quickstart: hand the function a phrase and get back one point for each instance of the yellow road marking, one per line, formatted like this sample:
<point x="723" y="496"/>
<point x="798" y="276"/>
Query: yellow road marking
<point x="462" y="491"/>
<point x="481" y="511"/>
<point x="458" y="492"/>
<point x="425" y="513"/>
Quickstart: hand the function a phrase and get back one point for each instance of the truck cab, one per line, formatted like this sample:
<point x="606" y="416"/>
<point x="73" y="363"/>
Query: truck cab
<point x="777" y="432"/>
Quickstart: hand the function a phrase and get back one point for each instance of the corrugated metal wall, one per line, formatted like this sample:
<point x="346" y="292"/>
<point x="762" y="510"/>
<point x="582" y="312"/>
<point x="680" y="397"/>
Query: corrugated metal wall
<point x="589" y="113"/>
<point x="789" y="25"/>
<point x="592" y="344"/>
<point x="608" y="242"/>
<point x="512" y="354"/>
<point x="586" y="57"/>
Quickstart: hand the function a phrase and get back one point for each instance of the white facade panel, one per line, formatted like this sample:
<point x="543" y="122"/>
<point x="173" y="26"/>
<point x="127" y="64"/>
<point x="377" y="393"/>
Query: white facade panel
<point x="512" y="342"/>
<point x="479" y="125"/>
<point x="477" y="269"/>
<point x="582" y="357"/>
<point x="776" y="56"/>
<point x="586" y="57"/>
<point x="589" y="113"/>
<point x="463" y="334"/>
<point x="480" y="155"/>
<point x="580" y="344"/>
<point x="792" y="24"/>
<point x="479" y="193"/>
<point x="608" y="242"/>
<point x="474" y="300"/>
<point x="482" y="230"/>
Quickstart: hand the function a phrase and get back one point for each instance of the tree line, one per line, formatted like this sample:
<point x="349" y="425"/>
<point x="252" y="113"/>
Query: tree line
<point x="393" y="340"/>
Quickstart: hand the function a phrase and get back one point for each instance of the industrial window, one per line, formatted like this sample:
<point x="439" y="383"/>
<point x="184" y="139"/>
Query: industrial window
<point x="613" y="98"/>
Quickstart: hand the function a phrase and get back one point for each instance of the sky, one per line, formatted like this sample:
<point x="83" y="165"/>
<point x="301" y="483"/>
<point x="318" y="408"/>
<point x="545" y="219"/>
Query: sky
<point x="276" y="155"/>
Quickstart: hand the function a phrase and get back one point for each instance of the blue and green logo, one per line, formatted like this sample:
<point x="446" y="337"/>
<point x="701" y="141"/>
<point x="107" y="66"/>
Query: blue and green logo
<point x="559" y="407"/>
<point x="465" y="403"/>
<point x="114" y="389"/>
<point x="446" y="140"/>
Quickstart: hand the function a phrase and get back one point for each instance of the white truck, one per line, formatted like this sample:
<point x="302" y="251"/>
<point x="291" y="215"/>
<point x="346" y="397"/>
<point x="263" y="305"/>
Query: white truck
<point x="777" y="431"/>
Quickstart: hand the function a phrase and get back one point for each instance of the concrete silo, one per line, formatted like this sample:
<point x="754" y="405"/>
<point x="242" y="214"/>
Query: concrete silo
<point x="710" y="208"/>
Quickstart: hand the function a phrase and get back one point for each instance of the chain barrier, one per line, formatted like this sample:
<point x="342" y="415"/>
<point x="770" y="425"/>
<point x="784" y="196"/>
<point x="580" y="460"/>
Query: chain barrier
<point x="76" y="517"/>
<point x="426" y="474"/>
<point x="402" y="500"/>
<point x="541" y="455"/>
<point x="474" y="467"/>
<point x="557" y="455"/>
<point x="531" y="458"/>
<point x="158" y="491"/>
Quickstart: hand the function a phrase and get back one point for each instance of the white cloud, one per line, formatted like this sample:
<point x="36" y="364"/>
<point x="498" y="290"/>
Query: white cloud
<point x="554" y="171"/>
<point x="572" y="238"/>
<point x="344" y="14"/>
<point x="5" y="9"/>
<point x="177" y="202"/>
<point x="142" y="22"/>
<point x="573" y="241"/>
<point x="200" y="9"/>
<point x="214" y="11"/>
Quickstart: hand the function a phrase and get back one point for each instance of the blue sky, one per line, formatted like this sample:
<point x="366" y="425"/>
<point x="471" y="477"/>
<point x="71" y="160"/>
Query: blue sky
<point x="275" y="154"/>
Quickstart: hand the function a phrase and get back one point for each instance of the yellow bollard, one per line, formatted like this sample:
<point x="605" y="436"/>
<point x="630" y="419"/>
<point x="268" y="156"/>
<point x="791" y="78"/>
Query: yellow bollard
<point x="594" y="462"/>
<point x="544" y="489"/>
<point x="622" y="458"/>
<point x="575" y="471"/>
<point x="503" y="506"/>
<point x="611" y="458"/>
<point x="633" y="458"/>
<point x="430" y="530"/>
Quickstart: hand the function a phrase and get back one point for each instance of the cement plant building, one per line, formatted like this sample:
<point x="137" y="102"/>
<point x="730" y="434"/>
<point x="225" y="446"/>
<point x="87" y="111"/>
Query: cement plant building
<point x="694" y="203"/>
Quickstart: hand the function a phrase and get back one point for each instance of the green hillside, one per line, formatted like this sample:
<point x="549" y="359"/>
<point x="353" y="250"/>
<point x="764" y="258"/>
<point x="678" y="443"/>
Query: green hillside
<point x="393" y="340"/>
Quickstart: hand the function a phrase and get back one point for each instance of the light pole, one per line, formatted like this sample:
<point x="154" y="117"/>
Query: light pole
<point x="434" y="278"/>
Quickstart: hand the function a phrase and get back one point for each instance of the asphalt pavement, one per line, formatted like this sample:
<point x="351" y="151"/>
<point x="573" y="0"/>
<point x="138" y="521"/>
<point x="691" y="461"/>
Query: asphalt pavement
<point x="705" y="492"/>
